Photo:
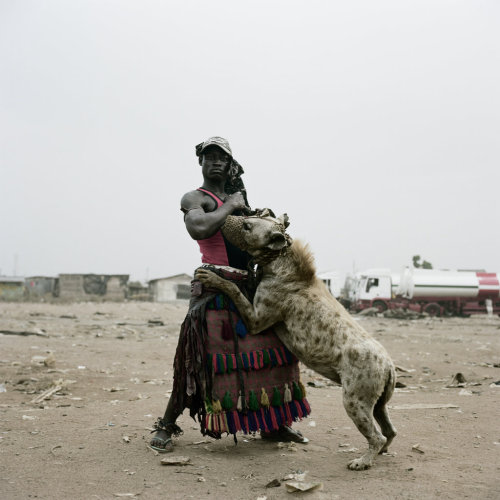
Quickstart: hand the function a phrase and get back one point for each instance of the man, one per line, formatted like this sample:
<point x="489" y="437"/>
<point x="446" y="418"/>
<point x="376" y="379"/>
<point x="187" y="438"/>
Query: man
<point x="229" y="380"/>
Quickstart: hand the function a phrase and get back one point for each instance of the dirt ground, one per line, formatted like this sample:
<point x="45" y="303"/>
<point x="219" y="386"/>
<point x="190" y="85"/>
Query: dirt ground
<point x="110" y="368"/>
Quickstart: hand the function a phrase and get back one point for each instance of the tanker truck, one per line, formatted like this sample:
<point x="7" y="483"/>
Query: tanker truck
<point x="436" y="292"/>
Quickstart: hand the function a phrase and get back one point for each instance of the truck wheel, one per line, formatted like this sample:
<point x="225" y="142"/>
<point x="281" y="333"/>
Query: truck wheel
<point x="381" y="306"/>
<point x="433" y="309"/>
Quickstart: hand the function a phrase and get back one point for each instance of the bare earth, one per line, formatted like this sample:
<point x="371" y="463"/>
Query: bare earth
<point x="114" y="371"/>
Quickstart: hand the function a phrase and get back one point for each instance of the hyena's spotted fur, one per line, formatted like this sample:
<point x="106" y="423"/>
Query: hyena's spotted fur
<point x="316" y="328"/>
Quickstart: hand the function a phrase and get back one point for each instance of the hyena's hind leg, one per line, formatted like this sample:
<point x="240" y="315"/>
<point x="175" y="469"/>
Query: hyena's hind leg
<point x="361" y="413"/>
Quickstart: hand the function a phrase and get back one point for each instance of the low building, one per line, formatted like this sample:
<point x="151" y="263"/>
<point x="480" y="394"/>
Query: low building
<point x="40" y="287"/>
<point x="176" y="287"/>
<point x="11" y="288"/>
<point x="138" y="291"/>
<point x="94" y="287"/>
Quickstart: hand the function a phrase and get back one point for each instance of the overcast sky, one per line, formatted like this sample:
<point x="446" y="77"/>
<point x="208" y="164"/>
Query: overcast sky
<point x="374" y="124"/>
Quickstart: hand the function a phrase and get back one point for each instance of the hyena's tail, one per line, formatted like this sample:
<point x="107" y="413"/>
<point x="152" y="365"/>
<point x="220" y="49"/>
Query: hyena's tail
<point x="380" y="410"/>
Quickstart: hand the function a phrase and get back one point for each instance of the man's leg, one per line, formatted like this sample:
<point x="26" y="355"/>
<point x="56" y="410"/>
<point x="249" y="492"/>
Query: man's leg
<point x="165" y="429"/>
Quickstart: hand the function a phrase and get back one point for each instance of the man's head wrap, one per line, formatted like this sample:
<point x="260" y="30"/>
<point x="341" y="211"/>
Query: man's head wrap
<point x="234" y="182"/>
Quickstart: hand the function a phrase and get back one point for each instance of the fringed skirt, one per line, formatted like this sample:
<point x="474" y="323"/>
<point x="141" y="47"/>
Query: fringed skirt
<point x="230" y="380"/>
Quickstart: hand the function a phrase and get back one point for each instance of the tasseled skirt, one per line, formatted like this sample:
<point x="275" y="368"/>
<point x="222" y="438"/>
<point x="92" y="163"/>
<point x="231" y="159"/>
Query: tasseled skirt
<point x="230" y="380"/>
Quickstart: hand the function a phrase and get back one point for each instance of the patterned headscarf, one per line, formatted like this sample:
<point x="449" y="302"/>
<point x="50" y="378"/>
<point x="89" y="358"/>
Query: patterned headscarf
<point x="234" y="182"/>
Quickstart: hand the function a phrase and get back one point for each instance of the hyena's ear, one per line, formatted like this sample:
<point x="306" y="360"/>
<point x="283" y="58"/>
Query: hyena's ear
<point x="277" y="241"/>
<point x="283" y="219"/>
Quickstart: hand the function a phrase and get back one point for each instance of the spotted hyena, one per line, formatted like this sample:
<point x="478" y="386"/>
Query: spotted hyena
<point x="313" y="325"/>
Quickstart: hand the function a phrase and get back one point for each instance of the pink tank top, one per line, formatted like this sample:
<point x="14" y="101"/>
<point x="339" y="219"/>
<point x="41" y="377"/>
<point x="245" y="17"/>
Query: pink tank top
<point x="213" y="249"/>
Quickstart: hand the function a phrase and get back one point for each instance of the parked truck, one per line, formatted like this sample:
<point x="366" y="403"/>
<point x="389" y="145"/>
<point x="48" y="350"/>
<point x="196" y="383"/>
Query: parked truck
<point x="435" y="292"/>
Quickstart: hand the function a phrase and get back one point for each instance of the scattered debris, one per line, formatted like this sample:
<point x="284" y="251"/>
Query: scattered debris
<point x="28" y="417"/>
<point x="294" y="486"/>
<point x="370" y="311"/>
<point x="404" y="314"/>
<point x="275" y="483"/>
<point x="295" y="476"/>
<point x="46" y="394"/>
<point x="203" y="441"/>
<point x="400" y="385"/>
<point x="201" y="479"/>
<point x="49" y="361"/>
<point x="126" y="439"/>
<point x="416" y="447"/>
<point x="312" y="423"/>
<point x="155" y="322"/>
<point x="495" y="384"/>
<point x="114" y="389"/>
<point x="55" y="448"/>
<point x="423" y="406"/>
<point x="465" y="392"/>
<point x="457" y="381"/>
<point x="2" y="388"/>
<point x="179" y="460"/>
<point x="316" y="383"/>
<point x="405" y="370"/>
<point x="38" y="332"/>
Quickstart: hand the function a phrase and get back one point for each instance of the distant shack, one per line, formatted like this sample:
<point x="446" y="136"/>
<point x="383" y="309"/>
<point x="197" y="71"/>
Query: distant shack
<point x="176" y="287"/>
<point x="11" y="288"/>
<point x="40" y="288"/>
<point x="93" y="287"/>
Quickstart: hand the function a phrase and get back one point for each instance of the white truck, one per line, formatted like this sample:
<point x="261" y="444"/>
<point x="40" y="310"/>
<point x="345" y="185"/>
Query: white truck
<point x="433" y="291"/>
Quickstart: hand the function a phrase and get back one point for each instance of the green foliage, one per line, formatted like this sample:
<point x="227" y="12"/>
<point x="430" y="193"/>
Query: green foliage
<point x="419" y="265"/>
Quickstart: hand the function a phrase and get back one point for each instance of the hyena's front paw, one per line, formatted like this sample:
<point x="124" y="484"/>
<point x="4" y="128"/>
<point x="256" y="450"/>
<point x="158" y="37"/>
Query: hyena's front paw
<point x="208" y="278"/>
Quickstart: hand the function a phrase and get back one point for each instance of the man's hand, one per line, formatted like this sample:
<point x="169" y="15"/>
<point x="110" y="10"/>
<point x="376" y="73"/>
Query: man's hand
<point x="236" y="201"/>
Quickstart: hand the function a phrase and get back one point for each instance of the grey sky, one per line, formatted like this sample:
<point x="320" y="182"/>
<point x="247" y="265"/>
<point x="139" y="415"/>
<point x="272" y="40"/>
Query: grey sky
<point x="374" y="124"/>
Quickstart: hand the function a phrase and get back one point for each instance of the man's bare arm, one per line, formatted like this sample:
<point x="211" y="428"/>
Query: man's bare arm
<point x="202" y="224"/>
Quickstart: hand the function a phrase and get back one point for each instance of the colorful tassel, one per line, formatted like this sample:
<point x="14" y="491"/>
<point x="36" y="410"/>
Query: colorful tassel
<point x="287" y="396"/>
<point x="297" y="393"/>
<point x="289" y="418"/>
<point x="229" y="363"/>
<point x="244" y="359"/>
<point x="299" y="409"/>
<point x="227" y="402"/>
<point x="266" y="358"/>
<point x="246" y="427"/>
<point x="220" y="363"/>
<point x="262" y="420"/>
<point x="303" y="389"/>
<point x="306" y="405"/>
<point x="236" y="422"/>
<point x="241" y="329"/>
<point x="253" y="404"/>
<point x="276" y="397"/>
<point x="216" y="406"/>
<point x="239" y="404"/>
<point x="264" y="398"/>
<point x="272" y="356"/>
<point x="278" y="356"/>
<point x="208" y="406"/>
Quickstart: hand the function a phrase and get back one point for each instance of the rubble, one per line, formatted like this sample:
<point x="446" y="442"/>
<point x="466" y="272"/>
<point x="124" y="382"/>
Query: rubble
<point x="404" y="314"/>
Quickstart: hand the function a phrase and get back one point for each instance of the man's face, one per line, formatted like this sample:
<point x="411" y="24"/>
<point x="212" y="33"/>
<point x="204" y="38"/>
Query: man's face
<point x="215" y="163"/>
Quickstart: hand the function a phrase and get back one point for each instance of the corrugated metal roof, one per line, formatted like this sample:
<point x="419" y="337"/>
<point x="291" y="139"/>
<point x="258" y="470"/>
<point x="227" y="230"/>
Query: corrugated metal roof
<point x="11" y="279"/>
